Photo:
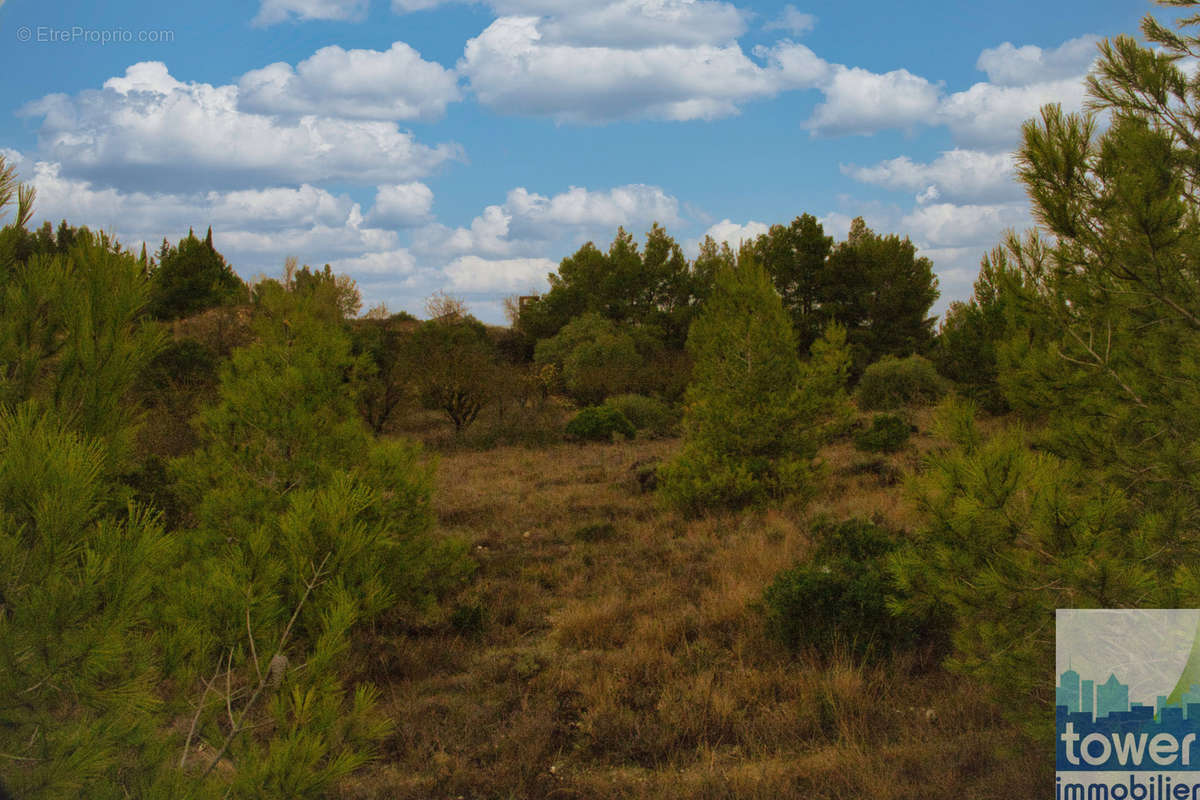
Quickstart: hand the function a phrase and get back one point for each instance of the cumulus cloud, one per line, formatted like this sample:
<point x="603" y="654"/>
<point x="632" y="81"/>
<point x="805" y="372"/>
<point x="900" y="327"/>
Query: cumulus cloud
<point x="358" y="84"/>
<point x="793" y="21"/>
<point x="950" y="225"/>
<point x="402" y="205"/>
<point x="1008" y="65"/>
<point x="635" y="23"/>
<point x="271" y="12"/>
<point x="990" y="116"/>
<point x="513" y="68"/>
<point x="527" y="223"/>
<point x="858" y="101"/>
<point x="735" y="233"/>
<point x="619" y="23"/>
<point x="387" y="262"/>
<point x="147" y="128"/>
<point x="254" y="228"/>
<point x="475" y="274"/>
<point x="955" y="175"/>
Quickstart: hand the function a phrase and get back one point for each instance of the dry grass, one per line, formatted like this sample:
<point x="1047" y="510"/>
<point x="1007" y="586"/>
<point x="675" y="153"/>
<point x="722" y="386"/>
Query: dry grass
<point x="621" y="654"/>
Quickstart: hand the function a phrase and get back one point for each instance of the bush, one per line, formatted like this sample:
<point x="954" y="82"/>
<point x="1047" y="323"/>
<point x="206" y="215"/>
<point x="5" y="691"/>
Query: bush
<point x="599" y="423"/>
<point x="596" y="358"/>
<point x="841" y="597"/>
<point x="893" y="382"/>
<point x="647" y="414"/>
<point x="887" y="434"/>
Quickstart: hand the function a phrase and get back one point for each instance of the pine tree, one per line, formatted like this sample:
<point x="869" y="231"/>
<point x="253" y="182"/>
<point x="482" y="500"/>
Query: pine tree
<point x="79" y="564"/>
<point x="754" y="412"/>
<point x="191" y="277"/>
<point x="1099" y="504"/>
<point x="304" y="528"/>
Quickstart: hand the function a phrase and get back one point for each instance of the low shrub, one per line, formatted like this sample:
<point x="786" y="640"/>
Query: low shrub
<point x="887" y="434"/>
<point x="595" y="532"/>
<point x="648" y="414"/>
<point x="599" y="423"/>
<point x="894" y="382"/>
<point x="840" y="598"/>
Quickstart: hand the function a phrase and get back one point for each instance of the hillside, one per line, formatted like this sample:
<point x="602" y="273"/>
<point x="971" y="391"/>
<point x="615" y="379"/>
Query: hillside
<point x="607" y="648"/>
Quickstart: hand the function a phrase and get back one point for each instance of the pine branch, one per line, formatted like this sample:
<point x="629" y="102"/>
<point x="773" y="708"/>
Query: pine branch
<point x="283" y="639"/>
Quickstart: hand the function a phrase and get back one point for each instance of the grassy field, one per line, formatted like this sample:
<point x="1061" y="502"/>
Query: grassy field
<point x="609" y="648"/>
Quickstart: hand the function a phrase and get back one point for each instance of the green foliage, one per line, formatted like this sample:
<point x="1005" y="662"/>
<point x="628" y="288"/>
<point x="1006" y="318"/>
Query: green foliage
<point x="652" y="287"/>
<point x="754" y="413"/>
<point x="339" y="291"/>
<point x="299" y="528"/>
<point x="599" y="424"/>
<point x="966" y="348"/>
<point x="595" y="357"/>
<point x="894" y="382"/>
<point x="796" y="257"/>
<point x="1010" y="534"/>
<point x="454" y="365"/>
<point x="887" y="434"/>
<point x="383" y="385"/>
<point x="874" y="286"/>
<point x="190" y="277"/>
<point x="840" y="598"/>
<point x="303" y="529"/>
<point x="78" y="700"/>
<point x="595" y="532"/>
<point x="79" y="564"/>
<point x="1099" y="505"/>
<point x="72" y="338"/>
<point x="648" y="414"/>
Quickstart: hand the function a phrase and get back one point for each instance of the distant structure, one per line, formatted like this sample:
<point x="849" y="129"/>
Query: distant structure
<point x="524" y="301"/>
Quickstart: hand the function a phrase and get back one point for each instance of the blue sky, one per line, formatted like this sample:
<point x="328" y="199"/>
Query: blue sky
<point x="425" y="145"/>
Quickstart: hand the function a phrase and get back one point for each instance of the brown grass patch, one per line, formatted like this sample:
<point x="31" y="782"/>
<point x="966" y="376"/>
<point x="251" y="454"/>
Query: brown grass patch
<point x="632" y="663"/>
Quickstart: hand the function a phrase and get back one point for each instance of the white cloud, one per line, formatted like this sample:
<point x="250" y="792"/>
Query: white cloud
<point x="358" y="84"/>
<point x="271" y="12"/>
<point x="619" y="23"/>
<point x="793" y="21"/>
<point x="255" y="229"/>
<point x="512" y="68"/>
<point x="735" y="233"/>
<point x="955" y="175"/>
<point x="402" y="205"/>
<point x="990" y="116"/>
<point x="147" y="128"/>
<point x="861" y="102"/>
<point x="1008" y="65"/>
<point x="950" y="225"/>
<point x="475" y="274"/>
<point x="636" y="23"/>
<point x="387" y="262"/>
<point x="530" y="224"/>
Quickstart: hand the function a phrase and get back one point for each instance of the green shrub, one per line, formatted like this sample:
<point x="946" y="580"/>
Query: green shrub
<point x="599" y="423"/>
<point x="469" y="619"/>
<point x="596" y="358"/>
<point x="893" y="382"/>
<point x="841" y="597"/>
<point x="755" y="414"/>
<point x="887" y="434"/>
<point x="595" y="532"/>
<point x="648" y="414"/>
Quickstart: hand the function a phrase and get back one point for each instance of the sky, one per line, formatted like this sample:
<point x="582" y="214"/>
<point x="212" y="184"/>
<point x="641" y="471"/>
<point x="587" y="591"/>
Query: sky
<point x="468" y="147"/>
